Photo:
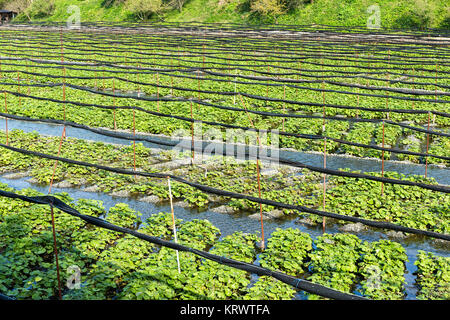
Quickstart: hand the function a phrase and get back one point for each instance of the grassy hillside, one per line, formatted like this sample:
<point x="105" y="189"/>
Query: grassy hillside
<point x="394" y="13"/>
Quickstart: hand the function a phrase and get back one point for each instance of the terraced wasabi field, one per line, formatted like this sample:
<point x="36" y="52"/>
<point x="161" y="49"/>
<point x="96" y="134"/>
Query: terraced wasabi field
<point x="305" y="155"/>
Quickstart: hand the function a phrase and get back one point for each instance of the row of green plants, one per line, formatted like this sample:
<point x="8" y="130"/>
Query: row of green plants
<point x="405" y="205"/>
<point x="410" y="206"/>
<point x="167" y="126"/>
<point x="205" y="82"/>
<point x="365" y="133"/>
<point x="114" y="266"/>
<point x="433" y="276"/>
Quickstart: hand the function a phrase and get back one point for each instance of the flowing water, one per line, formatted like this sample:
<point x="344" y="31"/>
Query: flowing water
<point x="229" y="223"/>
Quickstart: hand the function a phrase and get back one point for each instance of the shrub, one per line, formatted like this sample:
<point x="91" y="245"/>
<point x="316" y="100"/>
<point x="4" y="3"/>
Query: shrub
<point x="274" y="7"/>
<point x="267" y="7"/>
<point x="144" y="9"/>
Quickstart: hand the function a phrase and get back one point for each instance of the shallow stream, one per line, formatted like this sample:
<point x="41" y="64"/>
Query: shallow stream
<point x="229" y="223"/>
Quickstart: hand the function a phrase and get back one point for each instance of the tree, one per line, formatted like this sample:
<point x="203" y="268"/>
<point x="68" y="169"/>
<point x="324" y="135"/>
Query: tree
<point x="19" y="6"/>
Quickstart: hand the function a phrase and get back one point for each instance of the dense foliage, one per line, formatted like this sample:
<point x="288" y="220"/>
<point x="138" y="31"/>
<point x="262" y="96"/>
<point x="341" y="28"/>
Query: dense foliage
<point x="114" y="266"/>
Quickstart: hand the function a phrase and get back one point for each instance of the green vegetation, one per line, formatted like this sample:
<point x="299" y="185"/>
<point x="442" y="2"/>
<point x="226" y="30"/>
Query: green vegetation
<point x="393" y="13"/>
<point x="413" y="207"/>
<point x="97" y="78"/>
<point x="114" y="266"/>
<point x="433" y="276"/>
<point x="340" y="259"/>
<point x="382" y="267"/>
<point x="410" y="206"/>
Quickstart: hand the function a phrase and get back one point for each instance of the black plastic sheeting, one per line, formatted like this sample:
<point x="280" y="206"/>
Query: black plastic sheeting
<point x="295" y="282"/>
<point x="224" y="193"/>
<point x="141" y="70"/>
<point x="213" y="123"/>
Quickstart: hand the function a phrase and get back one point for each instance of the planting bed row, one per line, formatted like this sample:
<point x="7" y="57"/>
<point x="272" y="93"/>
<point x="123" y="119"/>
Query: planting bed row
<point x="122" y="267"/>
<point x="237" y="82"/>
<point x="194" y="55"/>
<point x="406" y="205"/>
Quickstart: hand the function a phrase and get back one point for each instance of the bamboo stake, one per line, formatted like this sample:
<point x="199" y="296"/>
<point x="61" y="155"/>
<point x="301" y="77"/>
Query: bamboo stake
<point x="428" y="143"/>
<point x="173" y="223"/>
<point x="53" y="176"/>
<point x="382" y="161"/>
<point x="234" y="96"/>
<point x="258" y="174"/>
<point x="134" y="142"/>
<point x="56" y="161"/>
<point x="203" y="64"/>
<point x="114" y="104"/>
<point x="157" y="91"/>
<point x="6" y="121"/>
<point x="387" y="92"/>
<point x="192" y="136"/>
<point x="413" y="87"/>
<point x="228" y="62"/>
<point x="284" y="104"/>
<point x="198" y="85"/>
<point x="324" y="156"/>
<point x="435" y="91"/>
<point x="324" y="180"/>
<point x="18" y="88"/>
<point x="27" y="76"/>
<point x="55" y="251"/>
